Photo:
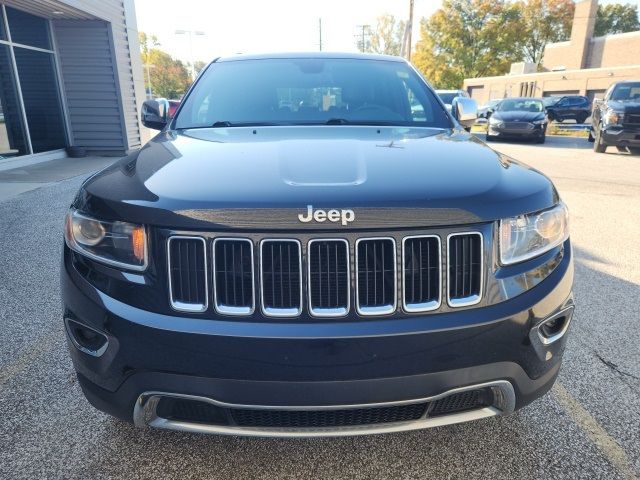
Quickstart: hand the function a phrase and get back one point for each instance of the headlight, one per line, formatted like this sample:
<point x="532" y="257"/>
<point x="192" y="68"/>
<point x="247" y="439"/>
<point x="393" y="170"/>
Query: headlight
<point x="494" y="121"/>
<point x="120" y="244"/>
<point x="612" y="117"/>
<point x="528" y="236"/>
<point x="539" y="122"/>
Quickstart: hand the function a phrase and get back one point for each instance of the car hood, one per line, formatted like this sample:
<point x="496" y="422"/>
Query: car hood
<point x="518" y="116"/>
<point x="264" y="177"/>
<point x="629" y="107"/>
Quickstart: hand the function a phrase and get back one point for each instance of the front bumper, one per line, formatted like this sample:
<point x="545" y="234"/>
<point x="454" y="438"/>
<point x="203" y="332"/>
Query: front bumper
<point x="536" y="131"/>
<point x="320" y="366"/>
<point x="621" y="137"/>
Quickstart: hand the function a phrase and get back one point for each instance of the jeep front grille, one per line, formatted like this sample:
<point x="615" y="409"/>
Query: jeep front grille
<point x="281" y="277"/>
<point x="376" y="276"/>
<point x="187" y="265"/>
<point x="464" y="268"/>
<point x="421" y="273"/>
<point x="233" y="284"/>
<point x="328" y="277"/>
<point x="334" y="274"/>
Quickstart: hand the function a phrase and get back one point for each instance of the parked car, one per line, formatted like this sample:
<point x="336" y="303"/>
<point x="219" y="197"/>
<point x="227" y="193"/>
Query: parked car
<point x="616" y="118"/>
<point x="447" y="96"/>
<point x="341" y="269"/>
<point x="520" y="117"/>
<point x="567" y="107"/>
<point x="485" y="111"/>
<point x="173" y="107"/>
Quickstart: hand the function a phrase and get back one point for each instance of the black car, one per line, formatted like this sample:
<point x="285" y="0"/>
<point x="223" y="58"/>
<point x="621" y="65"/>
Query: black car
<point x="616" y="118"/>
<point x="296" y="254"/>
<point x="519" y="118"/>
<point x="567" y="107"/>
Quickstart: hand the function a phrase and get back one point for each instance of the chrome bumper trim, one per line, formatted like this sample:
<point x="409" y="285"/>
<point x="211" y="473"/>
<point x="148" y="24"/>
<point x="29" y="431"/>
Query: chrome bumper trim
<point x="144" y="414"/>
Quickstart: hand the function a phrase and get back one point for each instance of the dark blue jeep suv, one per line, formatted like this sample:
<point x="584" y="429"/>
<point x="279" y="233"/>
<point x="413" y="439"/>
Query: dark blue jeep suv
<point x="313" y="245"/>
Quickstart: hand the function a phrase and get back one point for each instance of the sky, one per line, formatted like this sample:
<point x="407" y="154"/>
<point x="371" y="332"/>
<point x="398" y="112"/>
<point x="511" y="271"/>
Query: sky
<point x="258" y="26"/>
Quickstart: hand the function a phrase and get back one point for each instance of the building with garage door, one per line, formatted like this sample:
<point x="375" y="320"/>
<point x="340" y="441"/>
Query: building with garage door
<point x="583" y="65"/>
<point x="70" y="74"/>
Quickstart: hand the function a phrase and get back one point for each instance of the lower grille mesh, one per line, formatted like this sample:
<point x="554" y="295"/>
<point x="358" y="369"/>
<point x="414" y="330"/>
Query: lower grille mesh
<point x="460" y="402"/>
<point x="327" y="418"/>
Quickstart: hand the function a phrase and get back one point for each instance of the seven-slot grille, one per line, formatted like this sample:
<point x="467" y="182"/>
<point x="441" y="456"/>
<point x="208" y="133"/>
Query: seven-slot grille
<point x="421" y="273"/>
<point x="281" y="278"/>
<point x="376" y="276"/>
<point x="465" y="269"/>
<point x="233" y="285"/>
<point x="328" y="277"/>
<point x="633" y="119"/>
<point x="187" y="266"/>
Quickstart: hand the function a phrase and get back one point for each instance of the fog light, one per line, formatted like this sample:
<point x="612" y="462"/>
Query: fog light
<point x="86" y="339"/>
<point x="553" y="328"/>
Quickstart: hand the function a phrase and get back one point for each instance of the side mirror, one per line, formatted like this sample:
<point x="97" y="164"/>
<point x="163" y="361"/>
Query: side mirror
<point x="155" y="113"/>
<point x="465" y="111"/>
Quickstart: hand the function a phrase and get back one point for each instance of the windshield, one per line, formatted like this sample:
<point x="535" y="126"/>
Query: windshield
<point x="310" y="91"/>
<point x="625" y="92"/>
<point x="447" y="98"/>
<point x="548" y="101"/>
<point x="520" y="105"/>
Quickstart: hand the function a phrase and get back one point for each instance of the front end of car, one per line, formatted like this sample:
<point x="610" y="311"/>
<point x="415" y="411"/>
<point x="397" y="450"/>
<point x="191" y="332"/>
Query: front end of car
<point x="620" y="126"/>
<point x="500" y="127"/>
<point x="313" y="332"/>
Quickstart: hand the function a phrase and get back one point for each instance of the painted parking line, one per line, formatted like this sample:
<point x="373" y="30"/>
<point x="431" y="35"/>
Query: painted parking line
<point x="598" y="435"/>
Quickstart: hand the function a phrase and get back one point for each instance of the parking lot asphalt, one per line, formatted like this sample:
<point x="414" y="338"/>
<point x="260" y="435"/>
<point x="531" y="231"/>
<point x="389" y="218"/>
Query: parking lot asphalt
<point x="588" y="426"/>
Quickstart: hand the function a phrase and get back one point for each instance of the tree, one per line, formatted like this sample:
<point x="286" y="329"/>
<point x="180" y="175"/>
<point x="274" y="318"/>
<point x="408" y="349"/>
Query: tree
<point x="616" y="18"/>
<point x="387" y="35"/>
<point x="468" y="38"/>
<point x="169" y="77"/>
<point x="198" y="65"/>
<point x="543" y="22"/>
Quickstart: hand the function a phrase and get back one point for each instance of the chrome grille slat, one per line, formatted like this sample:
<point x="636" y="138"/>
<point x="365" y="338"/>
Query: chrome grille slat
<point x="233" y="281"/>
<point x="328" y="277"/>
<point x="280" y="264"/>
<point x="187" y="272"/>
<point x="421" y="257"/>
<point x="464" y="268"/>
<point x="376" y="264"/>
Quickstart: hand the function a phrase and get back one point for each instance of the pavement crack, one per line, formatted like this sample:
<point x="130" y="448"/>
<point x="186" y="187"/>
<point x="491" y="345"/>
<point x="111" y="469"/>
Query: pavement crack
<point x="615" y="367"/>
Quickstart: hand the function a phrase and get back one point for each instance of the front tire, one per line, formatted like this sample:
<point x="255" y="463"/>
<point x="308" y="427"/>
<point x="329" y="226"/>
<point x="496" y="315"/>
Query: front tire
<point x="581" y="118"/>
<point x="489" y="138"/>
<point x="541" y="139"/>
<point x="599" y="146"/>
<point x="591" y="139"/>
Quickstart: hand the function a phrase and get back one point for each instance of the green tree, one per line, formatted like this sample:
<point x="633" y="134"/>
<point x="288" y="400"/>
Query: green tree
<point x="198" y="65"/>
<point x="616" y="18"/>
<point x="468" y="38"/>
<point x="169" y="76"/>
<point x="386" y="36"/>
<point x="543" y="22"/>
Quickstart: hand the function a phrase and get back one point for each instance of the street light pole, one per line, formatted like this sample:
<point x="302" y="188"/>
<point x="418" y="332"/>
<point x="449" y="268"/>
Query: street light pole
<point x="190" y="33"/>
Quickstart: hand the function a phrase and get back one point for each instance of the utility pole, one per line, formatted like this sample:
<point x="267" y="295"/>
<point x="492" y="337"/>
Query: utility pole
<point x="409" y="30"/>
<point x="365" y="32"/>
<point x="320" y="32"/>
<point x="190" y="33"/>
<point x="148" y="67"/>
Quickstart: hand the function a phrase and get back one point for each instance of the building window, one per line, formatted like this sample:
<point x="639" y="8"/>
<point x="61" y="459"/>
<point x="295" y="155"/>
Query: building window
<point x="31" y="116"/>
<point x="12" y="135"/>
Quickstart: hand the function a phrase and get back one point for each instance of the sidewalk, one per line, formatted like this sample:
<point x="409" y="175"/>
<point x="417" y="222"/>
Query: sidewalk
<point x="20" y="179"/>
